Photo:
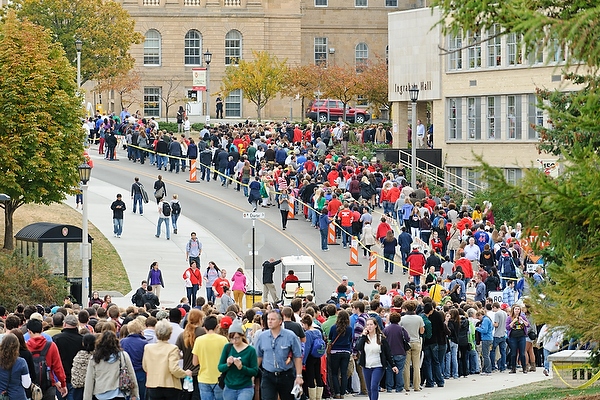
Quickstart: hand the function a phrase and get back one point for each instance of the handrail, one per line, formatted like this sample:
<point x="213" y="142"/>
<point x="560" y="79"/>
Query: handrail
<point x="448" y="180"/>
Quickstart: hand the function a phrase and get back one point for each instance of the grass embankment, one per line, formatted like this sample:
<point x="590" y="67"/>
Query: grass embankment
<point x="543" y="390"/>
<point x="108" y="270"/>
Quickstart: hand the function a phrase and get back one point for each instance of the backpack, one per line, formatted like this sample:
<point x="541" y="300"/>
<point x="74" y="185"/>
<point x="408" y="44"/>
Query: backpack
<point x="428" y="329"/>
<point x="318" y="346"/>
<point x="166" y="209"/>
<point x="42" y="371"/>
<point x="135" y="298"/>
<point x="175" y="208"/>
<point x="135" y="138"/>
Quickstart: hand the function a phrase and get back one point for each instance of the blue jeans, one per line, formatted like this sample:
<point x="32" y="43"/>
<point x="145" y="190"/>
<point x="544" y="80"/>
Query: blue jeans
<point x="417" y="281"/>
<point x="517" y="344"/>
<point x="69" y="393"/>
<point x="426" y="374"/>
<point x="152" y="157"/>
<point x="78" y="393"/>
<point x="389" y="377"/>
<point x="174" y="218"/>
<point x="137" y="200"/>
<point x="501" y="343"/>
<point x="387" y="260"/>
<point x="167" y="227"/>
<point x="546" y="361"/>
<point x="210" y="391"/>
<point x="173" y="164"/>
<point x="473" y="358"/>
<point x="210" y="294"/>
<point x="245" y="185"/>
<point x="191" y="294"/>
<point x="118" y="226"/>
<point x="346" y="236"/>
<point x="452" y="361"/>
<point x="486" y="346"/>
<point x="239" y="394"/>
<point x="140" y="376"/>
<point x="372" y="378"/>
<point x="204" y="172"/>
<point x="161" y="161"/>
<point x="324" y="238"/>
<point x="438" y="364"/>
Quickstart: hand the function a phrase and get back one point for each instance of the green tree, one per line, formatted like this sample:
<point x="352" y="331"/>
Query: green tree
<point x="104" y="27"/>
<point x="374" y="83"/>
<point x="342" y="83"/>
<point x="304" y="81"/>
<point x="260" y="80"/>
<point x="40" y="136"/>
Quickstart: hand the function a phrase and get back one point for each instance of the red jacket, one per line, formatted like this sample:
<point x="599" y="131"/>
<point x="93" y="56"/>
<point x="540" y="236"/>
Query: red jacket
<point x="289" y="278"/>
<point x="416" y="262"/>
<point x="37" y="343"/>
<point x="466" y="266"/>
<point x="382" y="230"/>
<point x="194" y="276"/>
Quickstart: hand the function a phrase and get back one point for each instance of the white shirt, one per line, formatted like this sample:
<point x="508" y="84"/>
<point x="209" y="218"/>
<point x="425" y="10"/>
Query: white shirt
<point x="372" y="353"/>
<point x="420" y="130"/>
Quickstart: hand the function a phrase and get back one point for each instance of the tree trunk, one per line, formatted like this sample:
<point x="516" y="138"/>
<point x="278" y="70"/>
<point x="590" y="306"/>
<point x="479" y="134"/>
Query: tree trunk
<point x="258" y="111"/>
<point x="9" y="210"/>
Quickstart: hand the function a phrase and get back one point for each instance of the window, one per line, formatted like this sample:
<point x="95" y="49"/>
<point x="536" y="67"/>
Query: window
<point x="473" y="180"/>
<point x="152" y="101"/>
<point x="391" y="3"/>
<point x="361" y="55"/>
<point x="454" y="119"/>
<point x="321" y="51"/>
<point x="513" y="175"/>
<point x="360" y="3"/>
<point x="233" y="47"/>
<point x="493" y="118"/>
<point x="535" y="116"/>
<point x="193" y="48"/>
<point x="474" y="118"/>
<point x="152" y="48"/>
<point x="513" y="112"/>
<point x="454" y="176"/>
<point x="320" y="3"/>
<point x="536" y="55"/>
<point x="494" y="47"/>
<point x="557" y="52"/>
<point x="455" y="56"/>
<point x="514" y="49"/>
<point x="233" y="104"/>
<point x="474" y="49"/>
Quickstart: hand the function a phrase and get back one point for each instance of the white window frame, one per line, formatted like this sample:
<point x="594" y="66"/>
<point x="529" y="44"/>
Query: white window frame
<point x="229" y="109"/>
<point x="361" y="3"/>
<point x="233" y="52"/>
<point x="514" y="49"/>
<point x="471" y="118"/>
<point x="494" y="46"/>
<point x="455" y="56"/>
<point x="453" y="113"/>
<point x="511" y="116"/>
<point x="322" y="47"/>
<point x="513" y="175"/>
<point x="361" y="56"/>
<point x="152" y="48"/>
<point x="474" y="50"/>
<point x="149" y="111"/>
<point x="492" y="118"/>
<point x="321" y="3"/>
<point x="192" y="54"/>
<point x="391" y="3"/>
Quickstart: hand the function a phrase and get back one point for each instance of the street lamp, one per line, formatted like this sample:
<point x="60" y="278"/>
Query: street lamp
<point x="78" y="46"/>
<point x="414" y="95"/>
<point x="207" y="60"/>
<point x="85" y="172"/>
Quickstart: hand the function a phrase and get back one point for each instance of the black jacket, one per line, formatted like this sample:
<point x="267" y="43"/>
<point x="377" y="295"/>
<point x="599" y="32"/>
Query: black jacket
<point x="152" y="299"/>
<point x="69" y="342"/>
<point x="385" y="354"/>
<point x="268" y="270"/>
<point x="118" y="206"/>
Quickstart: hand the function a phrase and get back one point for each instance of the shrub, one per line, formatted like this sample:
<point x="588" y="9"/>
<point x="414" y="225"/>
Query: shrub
<point x="29" y="280"/>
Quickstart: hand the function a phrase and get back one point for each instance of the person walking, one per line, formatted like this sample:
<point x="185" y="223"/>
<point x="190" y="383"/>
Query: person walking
<point x="164" y="213"/>
<point x="207" y="352"/>
<point x="239" y="286"/>
<point x="396" y="337"/>
<point x="312" y="363"/>
<point x="117" y="207"/>
<point x="210" y="276"/>
<point x="284" y="207"/>
<point x="160" y="189"/>
<point x="134" y="345"/>
<point x="185" y="343"/>
<point x="80" y="365"/>
<point x="68" y="342"/>
<point x="375" y="356"/>
<point x="155" y="279"/>
<point x="136" y="195"/>
<point x="280" y="356"/>
<point x="193" y="281"/>
<point x="175" y="212"/>
<point x="340" y="337"/>
<point x="415" y="327"/>
<point x="193" y="249"/>
<point x="267" y="280"/>
<point x="14" y="374"/>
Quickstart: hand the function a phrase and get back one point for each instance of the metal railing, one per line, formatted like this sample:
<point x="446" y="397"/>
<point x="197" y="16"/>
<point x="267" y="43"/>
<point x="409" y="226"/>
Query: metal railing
<point x="442" y="177"/>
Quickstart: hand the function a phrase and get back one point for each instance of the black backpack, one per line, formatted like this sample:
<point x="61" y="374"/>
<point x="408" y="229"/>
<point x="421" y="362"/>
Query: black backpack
<point x="42" y="371"/>
<point x="175" y="208"/>
<point x="166" y="209"/>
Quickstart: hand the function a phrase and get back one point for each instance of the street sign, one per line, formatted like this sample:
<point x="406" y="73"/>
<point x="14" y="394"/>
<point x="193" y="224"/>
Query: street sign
<point x="253" y="215"/>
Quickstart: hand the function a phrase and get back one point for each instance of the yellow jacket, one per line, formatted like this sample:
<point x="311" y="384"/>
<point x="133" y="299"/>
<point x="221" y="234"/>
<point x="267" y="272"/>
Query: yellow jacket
<point x="161" y="363"/>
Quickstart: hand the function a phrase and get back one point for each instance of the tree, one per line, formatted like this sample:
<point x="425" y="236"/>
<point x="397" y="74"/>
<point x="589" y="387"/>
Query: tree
<point x="304" y="81"/>
<point x="104" y="27"/>
<point x="171" y="95"/>
<point x="260" y="80"/>
<point x="126" y="84"/>
<point x="41" y="139"/>
<point x="374" y="83"/>
<point x="342" y="83"/>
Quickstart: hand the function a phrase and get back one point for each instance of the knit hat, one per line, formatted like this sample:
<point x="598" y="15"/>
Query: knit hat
<point x="37" y="316"/>
<point x="236" y="327"/>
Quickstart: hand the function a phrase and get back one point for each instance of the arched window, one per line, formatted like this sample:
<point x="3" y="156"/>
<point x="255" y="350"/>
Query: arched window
<point x="193" y="48"/>
<point x="152" y="48"/>
<point x="361" y="55"/>
<point x="233" y="47"/>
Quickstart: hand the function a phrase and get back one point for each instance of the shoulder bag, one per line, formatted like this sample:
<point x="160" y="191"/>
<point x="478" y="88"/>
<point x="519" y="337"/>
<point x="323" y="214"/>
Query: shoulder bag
<point x="330" y="345"/>
<point x="125" y="382"/>
<point x="224" y="374"/>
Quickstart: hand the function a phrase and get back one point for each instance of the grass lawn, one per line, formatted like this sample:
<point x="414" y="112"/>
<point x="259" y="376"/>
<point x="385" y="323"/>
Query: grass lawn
<point x="543" y="390"/>
<point x="108" y="270"/>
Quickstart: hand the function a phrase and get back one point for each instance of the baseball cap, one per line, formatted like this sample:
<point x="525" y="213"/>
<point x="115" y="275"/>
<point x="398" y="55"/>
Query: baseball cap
<point x="37" y="316"/>
<point x="504" y="306"/>
<point x="226" y="322"/>
<point x="344" y="278"/>
<point x="71" y="320"/>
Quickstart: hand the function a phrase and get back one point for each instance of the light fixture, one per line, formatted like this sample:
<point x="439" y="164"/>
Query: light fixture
<point x="85" y="171"/>
<point x="207" y="57"/>
<point x="414" y="93"/>
<point x="78" y="45"/>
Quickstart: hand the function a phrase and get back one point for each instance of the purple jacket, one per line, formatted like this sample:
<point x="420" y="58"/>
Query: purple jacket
<point x="155" y="278"/>
<point x="509" y="320"/>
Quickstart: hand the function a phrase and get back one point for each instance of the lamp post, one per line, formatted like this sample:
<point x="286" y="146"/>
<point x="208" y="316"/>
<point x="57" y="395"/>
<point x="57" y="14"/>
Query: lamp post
<point x="85" y="172"/>
<point x="414" y="95"/>
<point x="207" y="60"/>
<point x="78" y="46"/>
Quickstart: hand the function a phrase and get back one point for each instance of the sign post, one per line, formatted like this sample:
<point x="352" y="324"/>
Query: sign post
<point x="253" y="216"/>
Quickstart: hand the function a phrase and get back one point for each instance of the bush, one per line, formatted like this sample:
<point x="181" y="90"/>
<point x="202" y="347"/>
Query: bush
<point x="198" y="126"/>
<point x="29" y="280"/>
<point x="168" y="126"/>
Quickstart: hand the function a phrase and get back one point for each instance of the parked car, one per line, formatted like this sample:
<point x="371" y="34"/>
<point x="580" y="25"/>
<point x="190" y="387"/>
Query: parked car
<point x="323" y="110"/>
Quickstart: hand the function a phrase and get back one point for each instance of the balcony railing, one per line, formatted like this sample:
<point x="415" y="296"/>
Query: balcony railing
<point x="151" y="2"/>
<point x="232" y="3"/>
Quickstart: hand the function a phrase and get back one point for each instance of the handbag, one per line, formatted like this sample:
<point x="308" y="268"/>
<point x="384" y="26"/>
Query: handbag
<point x="532" y="335"/>
<point x="405" y="343"/>
<point x="330" y="345"/>
<point x="125" y="382"/>
<point x="221" y="380"/>
<point x="36" y="392"/>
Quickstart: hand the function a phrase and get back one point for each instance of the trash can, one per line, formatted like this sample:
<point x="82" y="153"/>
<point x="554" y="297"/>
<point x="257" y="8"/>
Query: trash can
<point x="252" y="296"/>
<point x="75" y="290"/>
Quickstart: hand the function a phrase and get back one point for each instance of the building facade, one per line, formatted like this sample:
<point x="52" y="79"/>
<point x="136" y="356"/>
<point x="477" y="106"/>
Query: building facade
<point x="478" y="91"/>
<point x="178" y="32"/>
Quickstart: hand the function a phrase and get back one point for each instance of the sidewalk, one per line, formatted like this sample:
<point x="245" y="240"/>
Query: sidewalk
<point x="138" y="247"/>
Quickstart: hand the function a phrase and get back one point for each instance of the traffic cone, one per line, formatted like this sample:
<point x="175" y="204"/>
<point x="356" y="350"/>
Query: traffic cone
<point x="372" y="272"/>
<point x="331" y="238"/>
<point x="354" y="253"/>
<point x="291" y="209"/>
<point x="192" y="172"/>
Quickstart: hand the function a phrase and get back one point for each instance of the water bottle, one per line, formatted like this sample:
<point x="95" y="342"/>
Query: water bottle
<point x="188" y="384"/>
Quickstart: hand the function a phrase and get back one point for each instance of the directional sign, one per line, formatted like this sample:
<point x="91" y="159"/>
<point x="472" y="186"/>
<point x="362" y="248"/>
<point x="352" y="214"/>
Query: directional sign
<point x="254" y="215"/>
